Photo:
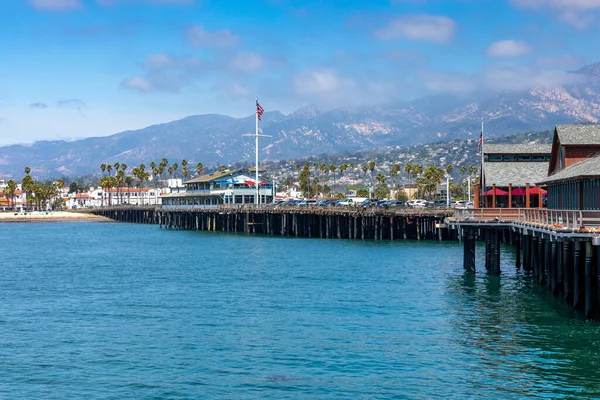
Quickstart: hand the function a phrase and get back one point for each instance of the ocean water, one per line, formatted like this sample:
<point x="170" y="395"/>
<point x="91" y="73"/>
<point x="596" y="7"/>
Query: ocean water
<point x="122" y="311"/>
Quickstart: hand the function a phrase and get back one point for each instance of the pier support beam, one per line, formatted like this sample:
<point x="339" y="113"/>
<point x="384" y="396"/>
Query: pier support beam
<point x="469" y="249"/>
<point x="517" y="239"/>
<point x="578" y="275"/>
<point x="553" y="267"/>
<point x="567" y="264"/>
<point x="591" y="282"/>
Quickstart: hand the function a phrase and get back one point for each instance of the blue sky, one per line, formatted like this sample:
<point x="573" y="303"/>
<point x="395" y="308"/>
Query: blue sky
<point x="78" y="68"/>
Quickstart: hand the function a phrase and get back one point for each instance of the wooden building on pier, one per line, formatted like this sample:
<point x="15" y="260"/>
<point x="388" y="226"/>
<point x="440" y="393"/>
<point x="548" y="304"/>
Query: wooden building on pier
<point x="574" y="171"/>
<point x="510" y="171"/>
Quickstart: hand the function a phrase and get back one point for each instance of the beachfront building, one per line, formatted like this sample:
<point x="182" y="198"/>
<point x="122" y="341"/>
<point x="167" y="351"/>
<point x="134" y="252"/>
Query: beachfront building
<point x="8" y="202"/>
<point x="224" y="187"/>
<point x="573" y="179"/>
<point x="510" y="174"/>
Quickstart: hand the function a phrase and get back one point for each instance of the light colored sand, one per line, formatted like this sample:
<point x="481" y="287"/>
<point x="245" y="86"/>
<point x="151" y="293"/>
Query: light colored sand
<point x="50" y="216"/>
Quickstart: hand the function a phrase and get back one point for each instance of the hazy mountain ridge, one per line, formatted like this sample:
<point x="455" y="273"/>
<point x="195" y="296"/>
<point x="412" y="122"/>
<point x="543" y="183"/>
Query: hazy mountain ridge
<point x="312" y="130"/>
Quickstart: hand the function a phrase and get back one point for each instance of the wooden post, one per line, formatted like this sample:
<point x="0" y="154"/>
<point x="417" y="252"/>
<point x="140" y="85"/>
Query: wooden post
<point x="517" y="238"/>
<point x="476" y="196"/>
<point x="567" y="264"/>
<point x="578" y="276"/>
<point x="510" y="195"/>
<point x="527" y="196"/>
<point x="552" y="267"/>
<point x="591" y="282"/>
<point x="494" y="195"/>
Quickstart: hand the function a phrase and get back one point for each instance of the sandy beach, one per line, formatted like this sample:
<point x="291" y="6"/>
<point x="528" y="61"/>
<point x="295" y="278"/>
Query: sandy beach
<point x="50" y="216"/>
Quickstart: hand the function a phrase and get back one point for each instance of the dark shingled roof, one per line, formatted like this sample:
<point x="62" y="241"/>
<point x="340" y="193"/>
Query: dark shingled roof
<point x="578" y="134"/>
<point x="517" y="173"/>
<point x="583" y="169"/>
<point x="524" y="148"/>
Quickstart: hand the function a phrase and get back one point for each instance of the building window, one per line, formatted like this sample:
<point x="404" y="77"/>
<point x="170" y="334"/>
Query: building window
<point x="510" y="157"/>
<point x="494" y="157"/>
<point x="523" y="157"/>
<point x="538" y="158"/>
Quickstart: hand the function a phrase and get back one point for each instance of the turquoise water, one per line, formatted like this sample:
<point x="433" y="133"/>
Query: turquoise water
<point x="106" y="310"/>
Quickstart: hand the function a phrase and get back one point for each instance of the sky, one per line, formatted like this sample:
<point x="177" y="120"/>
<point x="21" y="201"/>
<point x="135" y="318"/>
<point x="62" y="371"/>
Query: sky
<point x="78" y="68"/>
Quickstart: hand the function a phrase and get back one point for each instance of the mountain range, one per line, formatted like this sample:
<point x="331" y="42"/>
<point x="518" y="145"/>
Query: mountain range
<point x="213" y="139"/>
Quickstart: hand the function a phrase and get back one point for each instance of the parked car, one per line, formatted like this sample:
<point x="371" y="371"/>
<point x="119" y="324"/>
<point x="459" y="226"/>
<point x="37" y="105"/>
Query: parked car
<point x="345" y="202"/>
<point x="460" y="204"/>
<point x="370" y="202"/>
<point x="419" y="203"/>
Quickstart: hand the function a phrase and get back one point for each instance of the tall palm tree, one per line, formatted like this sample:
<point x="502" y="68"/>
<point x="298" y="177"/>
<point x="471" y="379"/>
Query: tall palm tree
<point x="408" y="169"/>
<point x="394" y="171"/>
<point x="117" y="165"/>
<point x="108" y="168"/>
<point x="199" y="168"/>
<point x="10" y="191"/>
<point x="333" y="168"/>
<point x="103" y="168"/>
<point x="129" y="182"/>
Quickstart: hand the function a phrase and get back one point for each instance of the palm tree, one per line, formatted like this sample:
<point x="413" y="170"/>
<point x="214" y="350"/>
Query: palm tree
<point x="408" y="169"/>
<point x="343" y="168"/>
<point x="394" y="170"/>
<point x="10" y="190"/>
<point x="449" y="168"/>
<point x="27" y="184"/>
<point x="129" y="182"/>
<point x="103" y="168"/>
<point x="117" y="165"/>
<point x="333" y="168"/>
<point x="108" y="168"/>
<point x="372" y="169"/>
<point x="184" y="170"/>
<point x="199" y="168"/>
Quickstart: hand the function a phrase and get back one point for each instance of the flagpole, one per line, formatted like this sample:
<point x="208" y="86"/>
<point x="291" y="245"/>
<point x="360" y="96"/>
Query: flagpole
<point x="257" y="197"/>
<point x="482" y="183"/>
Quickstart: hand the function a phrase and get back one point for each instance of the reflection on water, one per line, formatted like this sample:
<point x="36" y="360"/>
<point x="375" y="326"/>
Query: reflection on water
<point x="131" y="311"/>
<point x="520" y="338"/>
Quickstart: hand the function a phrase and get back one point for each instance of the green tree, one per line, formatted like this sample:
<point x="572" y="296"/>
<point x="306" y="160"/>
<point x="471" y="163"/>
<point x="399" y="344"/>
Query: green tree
<point x="199" y="168"/>
<point x="10" y="192"/>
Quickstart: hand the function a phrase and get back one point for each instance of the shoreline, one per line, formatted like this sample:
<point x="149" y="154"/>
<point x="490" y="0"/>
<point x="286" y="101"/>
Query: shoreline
<point x="51" y="216"/>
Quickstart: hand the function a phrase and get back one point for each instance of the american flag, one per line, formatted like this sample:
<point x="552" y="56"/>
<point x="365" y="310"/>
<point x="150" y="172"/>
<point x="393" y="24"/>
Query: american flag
<point x="259" y="110"/>
<point x="479" y="143"/>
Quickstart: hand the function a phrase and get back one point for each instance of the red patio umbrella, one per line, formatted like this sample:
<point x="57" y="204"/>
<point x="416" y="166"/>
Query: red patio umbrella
<point x="537" y="190"/>
<point x="499" y="192"/>
<point x="519" y="192"/>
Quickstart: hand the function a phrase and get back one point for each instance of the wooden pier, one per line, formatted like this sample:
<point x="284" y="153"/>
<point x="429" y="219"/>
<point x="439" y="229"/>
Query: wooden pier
<point x="560" y="248"/>
<point x="330" y="223"/>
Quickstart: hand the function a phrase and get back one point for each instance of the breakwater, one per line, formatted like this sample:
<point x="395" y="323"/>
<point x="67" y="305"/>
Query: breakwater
<point x="347" y="223"/>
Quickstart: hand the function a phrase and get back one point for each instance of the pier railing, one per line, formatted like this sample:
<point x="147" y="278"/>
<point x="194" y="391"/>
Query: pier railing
<point x="557" y="219"/>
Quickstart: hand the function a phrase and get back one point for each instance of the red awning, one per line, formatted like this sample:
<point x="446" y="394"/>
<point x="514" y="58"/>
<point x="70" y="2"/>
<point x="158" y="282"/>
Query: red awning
<point x="537" y="190"/>
<point x="499" y="192"/>
<point x="518" y="192"/>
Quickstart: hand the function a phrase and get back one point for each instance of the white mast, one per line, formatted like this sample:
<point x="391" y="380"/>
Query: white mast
<point x="257" y="197"/>
<point x="256" y="136"/>
<point x="481" y="183"/>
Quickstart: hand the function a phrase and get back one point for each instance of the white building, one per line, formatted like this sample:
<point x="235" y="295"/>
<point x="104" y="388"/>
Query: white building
<point x="226" y="187"/>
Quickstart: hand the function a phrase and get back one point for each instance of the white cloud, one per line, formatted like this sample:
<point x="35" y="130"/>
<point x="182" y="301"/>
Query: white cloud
<point x="137" y="83"/>
<point x="199" y="37"/>
<point x="162" y="61"/>
<point x="508" y="49"/>
<point x="56" y="5"/>
<point x="433" y="28"/>
<point x="247" y="61"/>
<point x="316" y="81"/>
<point x="572" y="12"/>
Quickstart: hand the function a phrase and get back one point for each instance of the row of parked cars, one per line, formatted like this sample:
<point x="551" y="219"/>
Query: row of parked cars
<point x="373" y="203"/>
